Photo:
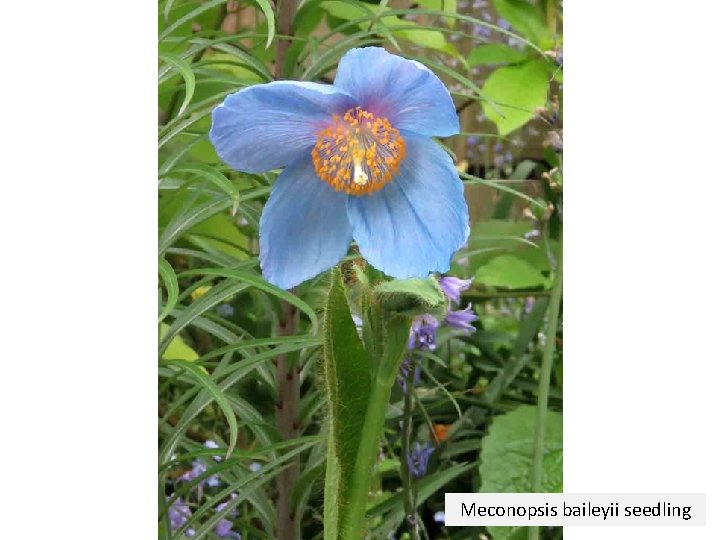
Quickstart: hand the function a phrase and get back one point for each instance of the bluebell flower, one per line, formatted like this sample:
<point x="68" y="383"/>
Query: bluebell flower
<point x="212" y="444"/>
<point x="461" y="319"/>
<point x="472" y="140"/>
<point x="452" y="287"/>
<point x="404" y="374"/>
<point x="502" y="23"/>
<point x="359" y="164"/>
<point x="422" y="332"/>
<point x="417" y="459"/>
<point x="482" y="31"/>
<point x="178" y="513"/>
<point x="224" y="526"/>
<point x="199" y="468"/>
<point x="254" y="466"/>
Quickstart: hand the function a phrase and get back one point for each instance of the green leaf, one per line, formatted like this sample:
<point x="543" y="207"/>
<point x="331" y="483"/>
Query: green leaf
<point x="495" y="53"/>
<point x="391" y="509"/>
<point x="173" y="290"/>
<point x="214" y="176"/>
<point x="515" y="92"/>
<point x="257" y="281"/>
<point x="511" y="272"/>
<point x="529" y="328"/>
<point x="270" y="16"/>
<point x="412" y="296"/>
<point x="347" y="376"/>
<point x="506" y="459"/>
<point x="187" y="74"/>
<point x="446" y="6"/>
<point x="201" y="376"/>
<point x="527" y="19"/>
<point x="177" y="349"/>
<point x="401" y="28"/>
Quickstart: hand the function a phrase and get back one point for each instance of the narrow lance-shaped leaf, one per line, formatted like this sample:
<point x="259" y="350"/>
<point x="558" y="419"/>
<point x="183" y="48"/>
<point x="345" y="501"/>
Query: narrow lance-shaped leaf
<point x="199" y="374"/>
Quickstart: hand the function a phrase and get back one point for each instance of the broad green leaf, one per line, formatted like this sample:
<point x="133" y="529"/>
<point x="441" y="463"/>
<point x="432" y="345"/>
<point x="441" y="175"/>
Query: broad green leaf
<point x="495" y="53"/>
<point x="347" y="376"/>
<point x="413" y="296"/>
<point x="526" y="18"/>
<point x="512" y="272"/>
<point x="515" y="91"/>
<point x="177" y="349"/>
<point x="446" y="6"/>
<point x="506" y="459"/>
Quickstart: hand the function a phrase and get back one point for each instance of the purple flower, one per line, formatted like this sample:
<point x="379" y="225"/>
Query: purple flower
<point x="212" y="444"/>
<point x="472" y="141"/>
<point x="453" y="286"/>
<point x="482" y="31"/>
<point x="418" y="457"/>
<point x="502" y="23"/>
<point x="226" y="310"/>
<point x="461" y="319"/>
<point x="439" y="517"/>
<point x="404" y="374"/>
<point x="199" y="468"/>
<point x="224" y="526"/>
<point x="223" y="529"/>
<point x="179" y="512"/>
<point x="254" y="466"/>
<point x="422" y="333"/>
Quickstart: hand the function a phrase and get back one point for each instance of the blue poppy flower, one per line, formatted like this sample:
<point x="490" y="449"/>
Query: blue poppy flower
<point x="359" y="164"/>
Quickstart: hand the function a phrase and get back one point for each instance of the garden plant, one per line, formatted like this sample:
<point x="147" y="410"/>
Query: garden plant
<point x="360" y="265"/>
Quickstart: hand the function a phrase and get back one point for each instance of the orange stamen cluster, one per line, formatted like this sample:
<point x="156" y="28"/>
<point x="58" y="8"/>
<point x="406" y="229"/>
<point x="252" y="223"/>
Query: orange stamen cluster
<point x="358" y="153"/>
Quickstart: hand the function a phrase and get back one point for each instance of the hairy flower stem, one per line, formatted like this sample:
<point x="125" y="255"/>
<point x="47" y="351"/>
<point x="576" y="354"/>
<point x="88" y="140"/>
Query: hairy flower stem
<point x="287" y="527"/>
<point x="406" y="477"/>
<point x="544" y="384"/>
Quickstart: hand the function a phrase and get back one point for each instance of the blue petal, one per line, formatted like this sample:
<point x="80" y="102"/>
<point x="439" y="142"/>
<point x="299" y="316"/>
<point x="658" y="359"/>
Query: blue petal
<point x="407" y="93"/>
<point x="267" y="126"/>
<point x="304" y="228"/>
<point x="415" y="224"/>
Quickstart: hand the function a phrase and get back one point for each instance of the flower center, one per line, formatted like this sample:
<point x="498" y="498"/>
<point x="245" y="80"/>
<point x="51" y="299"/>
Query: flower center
<point x="358" y="153"/>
